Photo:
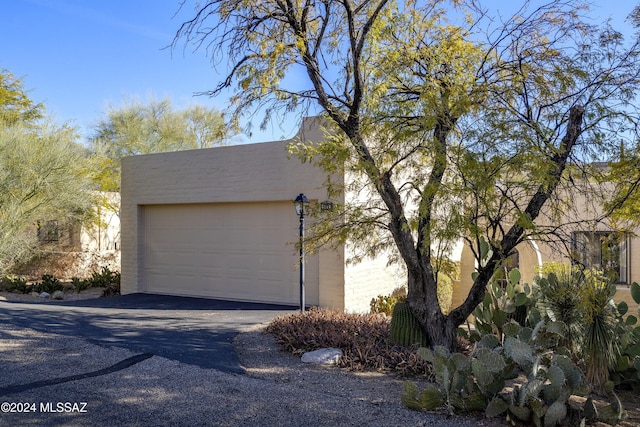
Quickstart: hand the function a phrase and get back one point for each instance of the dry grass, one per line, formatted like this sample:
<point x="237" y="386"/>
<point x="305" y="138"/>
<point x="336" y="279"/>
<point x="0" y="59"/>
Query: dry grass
<point x="365" y="340"/>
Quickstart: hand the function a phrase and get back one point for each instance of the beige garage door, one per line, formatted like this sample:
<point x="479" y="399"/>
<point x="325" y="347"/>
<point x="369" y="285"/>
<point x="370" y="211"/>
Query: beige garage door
<point x="236" y="251"/>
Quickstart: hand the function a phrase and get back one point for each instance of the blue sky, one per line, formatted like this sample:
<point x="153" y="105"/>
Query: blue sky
<point x="81" y="56"/>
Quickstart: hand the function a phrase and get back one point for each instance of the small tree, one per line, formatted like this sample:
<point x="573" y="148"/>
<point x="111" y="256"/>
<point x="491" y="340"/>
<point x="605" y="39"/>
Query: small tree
<point x="451" y="125"/>
<point x="42" y="177"/>
<point x="15" y="106"/>
<point x="151" y="128"/>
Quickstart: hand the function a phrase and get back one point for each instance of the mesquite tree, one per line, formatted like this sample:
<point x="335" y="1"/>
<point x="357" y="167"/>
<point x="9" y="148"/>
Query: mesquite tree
<point x="459" y="124"/>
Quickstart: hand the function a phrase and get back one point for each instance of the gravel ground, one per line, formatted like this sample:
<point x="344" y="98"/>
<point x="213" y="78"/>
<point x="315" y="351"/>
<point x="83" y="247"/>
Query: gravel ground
<point x="277" y="389"/>
<point x="68" y="296"/>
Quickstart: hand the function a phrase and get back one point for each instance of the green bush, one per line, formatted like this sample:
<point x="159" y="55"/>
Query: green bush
<point x="49" y="284"/>
<point x="80" y="285"/>
<point x="384" y="304"/>
<point x="445" y="292"/>
<point x="14" y="284"/>
<point x="110" y="280"/>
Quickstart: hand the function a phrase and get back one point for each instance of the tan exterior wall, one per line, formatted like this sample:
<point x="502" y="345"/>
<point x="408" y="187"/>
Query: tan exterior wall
<point x="245" y="173"/>
<point x="531" y="253"/>
<point x="368" y="279"/>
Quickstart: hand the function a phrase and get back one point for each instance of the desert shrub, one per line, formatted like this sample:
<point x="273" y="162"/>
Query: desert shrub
<point x="445" y="292"/>
<point x="364" y="339"/>
<point x="14" y="284"/>
<point x="104" y="278"/>
<point x="80" y="285"/>
<point x="48" y="284"/>
<point x="384" y="304"/>
<point x="5" y="284"/>
<point x="112" y="289"/>
<point x="108" y="279"/>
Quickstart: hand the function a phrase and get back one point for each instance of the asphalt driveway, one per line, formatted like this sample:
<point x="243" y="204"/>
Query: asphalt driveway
<point x="188" y="330"/>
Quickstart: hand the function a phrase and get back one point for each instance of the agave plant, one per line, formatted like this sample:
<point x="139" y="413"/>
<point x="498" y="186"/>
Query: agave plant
<point x="561" y="298"/>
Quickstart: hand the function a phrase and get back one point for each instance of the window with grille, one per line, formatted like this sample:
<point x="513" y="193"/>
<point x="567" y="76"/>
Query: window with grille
<point x="48" y="231"/>
<point x="606" y="251"/>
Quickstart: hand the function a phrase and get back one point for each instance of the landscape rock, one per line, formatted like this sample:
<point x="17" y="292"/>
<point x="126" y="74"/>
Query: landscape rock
<point x="58" y="295"/>
<point x="44" y="295"/>
<point x="324" y="356"/>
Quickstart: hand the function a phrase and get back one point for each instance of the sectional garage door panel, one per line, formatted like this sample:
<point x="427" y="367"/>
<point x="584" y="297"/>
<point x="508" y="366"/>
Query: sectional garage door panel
<point x="239" y="251"/>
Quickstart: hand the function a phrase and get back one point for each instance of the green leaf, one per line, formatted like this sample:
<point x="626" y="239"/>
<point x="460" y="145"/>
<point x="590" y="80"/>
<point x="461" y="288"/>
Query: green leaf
<point x="496" y="407"/>
<point x="440" y="351"/>
<point x="460" y="361"/>
<point x="493" y="360"/>
<point x="489" y="341"/>
<point x="511" y="329"/>
<point x="425" y="354"/>
<point x="514" y="276"/>
<point x="521" y="299"/>
<point x="509" y="307"/>
<point x="555" y="413"/>
<point x="631" y="320"/>
<point x="635" y="292"/>
<point x="558" y="328"/>
<point x="431" y="398"/>
<point x="623" y="307"/>
<point x="520" y="352"/>
<point x="484" y="248"/>
<point x="410" y="389"/>
<point x="520" y="412"/>
<point x="525" y="334"/>
<point x="556" y="375"/>
<point x="410" y="402"/>
<point x="624" y="362"/>
<point x="474" y="402"/>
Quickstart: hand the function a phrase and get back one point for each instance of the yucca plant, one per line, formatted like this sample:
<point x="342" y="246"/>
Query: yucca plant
<point x="601" y="345"/>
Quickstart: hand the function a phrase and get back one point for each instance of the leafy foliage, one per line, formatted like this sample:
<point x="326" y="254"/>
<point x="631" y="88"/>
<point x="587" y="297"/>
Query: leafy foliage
<point x="505" y="300"/>
<point x="452" y="124"/>
<point x="48" y="284"/>
<point x="15" y="106"/>
<point x="42" y="172"/>
<point x="384" y="303"/>
<point x="151" y="128"/>
<point x="42" y="177"/>
<point x="14" y="284"/>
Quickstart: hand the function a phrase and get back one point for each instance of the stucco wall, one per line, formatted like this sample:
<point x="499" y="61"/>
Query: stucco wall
<point x="243" y="173"/>
<point x="575" y="215"/>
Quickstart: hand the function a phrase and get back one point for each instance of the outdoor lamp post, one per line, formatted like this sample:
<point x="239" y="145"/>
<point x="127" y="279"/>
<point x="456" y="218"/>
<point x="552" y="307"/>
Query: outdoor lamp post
<point x="301" y="203"/>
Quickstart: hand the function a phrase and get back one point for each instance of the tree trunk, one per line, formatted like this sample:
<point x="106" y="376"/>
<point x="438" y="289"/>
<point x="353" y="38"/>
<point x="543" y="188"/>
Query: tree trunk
<point x="422" y="288"/>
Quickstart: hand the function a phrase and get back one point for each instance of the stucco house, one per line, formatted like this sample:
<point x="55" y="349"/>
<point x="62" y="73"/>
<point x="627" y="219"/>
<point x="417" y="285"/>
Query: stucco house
<point x="220" y="223"/>
<point x="592" y="244"/>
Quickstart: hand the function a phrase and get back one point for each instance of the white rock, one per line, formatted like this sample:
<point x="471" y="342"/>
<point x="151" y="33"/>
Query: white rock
<point x="324" y="356"/>
<point x="58" y="295"/>
<point x="44" y="295"/>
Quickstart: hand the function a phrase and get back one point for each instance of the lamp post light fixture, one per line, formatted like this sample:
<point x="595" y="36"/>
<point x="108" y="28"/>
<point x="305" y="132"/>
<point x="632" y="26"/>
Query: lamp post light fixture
<point x="301" y="203"/>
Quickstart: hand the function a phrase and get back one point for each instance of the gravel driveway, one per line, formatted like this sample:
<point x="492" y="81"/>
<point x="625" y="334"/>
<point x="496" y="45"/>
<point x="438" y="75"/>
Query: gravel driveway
<point x="50" y="379"/>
